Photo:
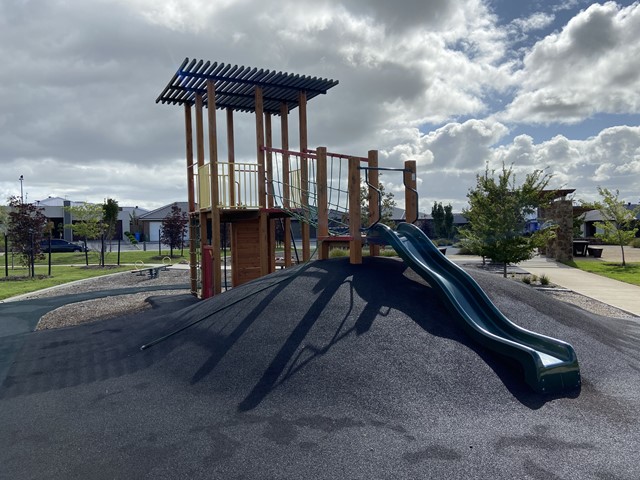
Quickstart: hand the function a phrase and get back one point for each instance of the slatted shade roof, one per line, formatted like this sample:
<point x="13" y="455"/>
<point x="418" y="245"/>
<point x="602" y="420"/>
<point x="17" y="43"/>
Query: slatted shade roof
<point x="235" y="86"/>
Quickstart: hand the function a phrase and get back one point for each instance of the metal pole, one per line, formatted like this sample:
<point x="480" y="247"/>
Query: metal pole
<point x="21" y="195"/>
<point x="6" y="255"/>
<point x="49" y="253"/>
<point x="32" y="254"/>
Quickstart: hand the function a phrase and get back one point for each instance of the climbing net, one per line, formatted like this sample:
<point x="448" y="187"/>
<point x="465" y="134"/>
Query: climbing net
<point x="294" y="187"/>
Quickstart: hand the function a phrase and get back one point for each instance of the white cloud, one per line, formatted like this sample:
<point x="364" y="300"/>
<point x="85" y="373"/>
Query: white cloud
<point x="610" y="159"/>
<point x="590" y="66"/>
<point x="536" y="21"/>
<point x="79" y="81"/>
<point x="458" y="152"/>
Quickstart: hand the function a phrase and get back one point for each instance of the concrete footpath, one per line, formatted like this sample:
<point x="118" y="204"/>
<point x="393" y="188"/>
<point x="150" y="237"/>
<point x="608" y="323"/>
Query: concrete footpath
<point x="612" y="292"/>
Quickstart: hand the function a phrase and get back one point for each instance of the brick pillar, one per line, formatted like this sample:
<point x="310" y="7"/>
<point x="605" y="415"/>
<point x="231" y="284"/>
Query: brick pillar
<point x="561" y="213"/>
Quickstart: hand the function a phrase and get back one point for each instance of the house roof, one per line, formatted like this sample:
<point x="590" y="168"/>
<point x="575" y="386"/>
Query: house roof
<point x="235" y="86"/>
<point x="596" y="216"/>
<point x="55" y="202"/>
<point x="162" y="212"/>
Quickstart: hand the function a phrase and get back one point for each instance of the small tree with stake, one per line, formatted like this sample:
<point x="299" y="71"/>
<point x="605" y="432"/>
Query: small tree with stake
<point x="174" y="227"/>
<point x="87" y="224"/>
<point x="619" y="225"/>
<point x="497" y="216"/>
<point x="25" y="229"/>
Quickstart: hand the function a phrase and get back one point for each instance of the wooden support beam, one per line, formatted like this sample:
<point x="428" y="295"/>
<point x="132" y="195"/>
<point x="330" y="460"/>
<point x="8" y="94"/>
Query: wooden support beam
<point x="265" y="261"/>
<point x="269" y="191"/>
<point x="355" y="245"/>
<point x="304" y="175"/>
<point x="269" y="159"/>
<point x="322" y="205"/>
<point x="374" y="203"/>
<point x="259" y="144"/>
<point x="199" y="130"/>
<point x="284" y="137"/>
<point x="202" y="220"/>
<point x="215" y="197"/>
<point x="410" y="195"/>
<point x="263" y="233"/>
<point x="231" y="157"/>
<point x="191" y="195"/>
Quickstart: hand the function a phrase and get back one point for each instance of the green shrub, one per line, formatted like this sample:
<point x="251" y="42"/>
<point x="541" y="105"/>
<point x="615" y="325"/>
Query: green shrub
<point x="338" y="252"/>
<point x="635" y="243"/>
<point x="526" y="280"/>
<point x="544" y="280"/>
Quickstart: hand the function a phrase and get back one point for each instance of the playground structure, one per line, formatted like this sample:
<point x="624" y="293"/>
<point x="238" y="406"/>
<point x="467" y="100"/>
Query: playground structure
<point x="323" y="189"/>
<point x="317" y="187"/>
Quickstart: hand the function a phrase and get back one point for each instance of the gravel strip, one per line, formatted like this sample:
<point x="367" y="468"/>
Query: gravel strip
<point x="589" y="304"/>
<point x="114" y="281"/>
<point x="109" y="307"/>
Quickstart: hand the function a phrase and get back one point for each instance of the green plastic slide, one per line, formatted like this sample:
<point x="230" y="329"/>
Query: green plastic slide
<point x="550" y="365"/>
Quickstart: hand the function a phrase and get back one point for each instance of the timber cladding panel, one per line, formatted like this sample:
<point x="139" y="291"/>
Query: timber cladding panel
<point x="245" y="251"/>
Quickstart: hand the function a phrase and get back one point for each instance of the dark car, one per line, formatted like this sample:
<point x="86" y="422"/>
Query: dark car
<point x="58" y="245"/>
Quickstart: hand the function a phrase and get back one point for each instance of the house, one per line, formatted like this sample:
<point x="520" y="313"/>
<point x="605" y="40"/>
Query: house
<point x="54" y="209"/>
<point x="592" y="216"/>
<point x="151" y="222"/>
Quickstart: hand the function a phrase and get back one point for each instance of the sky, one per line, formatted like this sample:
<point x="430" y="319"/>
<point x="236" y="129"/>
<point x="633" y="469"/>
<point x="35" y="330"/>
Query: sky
<point x="457" y="86"/>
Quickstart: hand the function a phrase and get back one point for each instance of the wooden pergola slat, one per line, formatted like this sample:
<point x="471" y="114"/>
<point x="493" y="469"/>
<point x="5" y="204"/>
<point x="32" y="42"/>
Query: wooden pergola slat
<point x="235" y="86"/>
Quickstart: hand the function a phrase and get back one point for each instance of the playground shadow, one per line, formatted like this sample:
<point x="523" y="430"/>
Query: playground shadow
<point x="369" y="293"/>
<point x="90" y="353"/>
<point x="278" y="326"/>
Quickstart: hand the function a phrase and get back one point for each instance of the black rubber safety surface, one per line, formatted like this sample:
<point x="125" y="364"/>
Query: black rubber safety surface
<point x="323" y="371"/>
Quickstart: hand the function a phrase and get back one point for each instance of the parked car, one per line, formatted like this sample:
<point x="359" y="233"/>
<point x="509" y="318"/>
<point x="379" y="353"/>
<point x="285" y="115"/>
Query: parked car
<point x="59" y="245"/>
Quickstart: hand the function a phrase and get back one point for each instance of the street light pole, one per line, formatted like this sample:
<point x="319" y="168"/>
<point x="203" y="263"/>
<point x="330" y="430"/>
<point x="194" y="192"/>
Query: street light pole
<point x="21" y="194"/>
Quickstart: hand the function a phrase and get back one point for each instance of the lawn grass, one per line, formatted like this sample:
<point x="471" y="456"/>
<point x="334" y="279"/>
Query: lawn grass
<point x="111" y="258"/>
<point x="19" y="282"/>
<point x="69" y="267"/>
<point x="629" y="274"/>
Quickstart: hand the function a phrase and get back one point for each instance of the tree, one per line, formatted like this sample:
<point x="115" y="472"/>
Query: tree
<point x="497" y="215"/>
<point x="442" y="220"/>
<point x="26" y="228"/>
<point x="619" y="225"/>
<point x="174" y="227"/>
<point x="437" y="214"/>
<point x="387" y="205"/>
<point x="87" y="222"/>
<point x="448" y="221"/>
<point x="110" y="211"/>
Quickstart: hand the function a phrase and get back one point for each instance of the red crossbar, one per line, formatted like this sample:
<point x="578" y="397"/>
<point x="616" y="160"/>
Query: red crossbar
<point x="288" y="152"/>
<point x="341" y="155"/>
<point x="345" y="238"/>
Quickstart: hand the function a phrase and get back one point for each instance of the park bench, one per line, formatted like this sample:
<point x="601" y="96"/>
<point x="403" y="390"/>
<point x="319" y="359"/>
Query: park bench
<point x="595" y="252"/>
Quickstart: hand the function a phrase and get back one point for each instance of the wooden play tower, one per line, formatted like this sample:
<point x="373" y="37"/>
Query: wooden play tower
<point x="315" y="187"/>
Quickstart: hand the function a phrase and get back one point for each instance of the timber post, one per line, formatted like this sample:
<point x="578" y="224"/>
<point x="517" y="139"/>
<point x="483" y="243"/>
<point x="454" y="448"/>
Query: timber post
<point x="355" y="244"/>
